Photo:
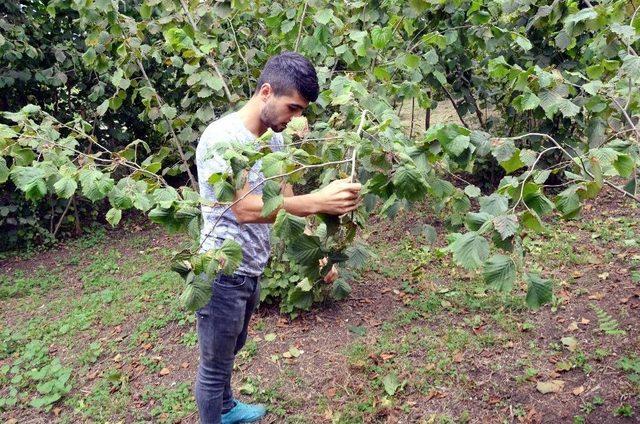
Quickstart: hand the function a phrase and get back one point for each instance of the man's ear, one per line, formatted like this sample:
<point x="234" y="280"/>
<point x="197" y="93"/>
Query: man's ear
<point x="265" y="91"/>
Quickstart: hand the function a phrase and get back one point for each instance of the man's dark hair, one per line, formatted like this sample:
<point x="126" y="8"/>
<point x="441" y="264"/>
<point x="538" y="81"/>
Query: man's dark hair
<point x="290" y="71"/>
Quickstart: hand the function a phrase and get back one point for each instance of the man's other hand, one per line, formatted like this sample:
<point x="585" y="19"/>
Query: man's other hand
<point x="339" y="197"/>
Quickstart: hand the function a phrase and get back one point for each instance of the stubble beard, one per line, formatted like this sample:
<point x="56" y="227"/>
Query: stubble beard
<point x="268" y="118"/>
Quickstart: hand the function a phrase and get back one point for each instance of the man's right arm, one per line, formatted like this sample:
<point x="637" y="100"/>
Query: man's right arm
<point x="337" y="198"/>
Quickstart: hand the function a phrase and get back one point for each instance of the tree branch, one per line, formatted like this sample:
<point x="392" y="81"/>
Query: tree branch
<point x="175" y="139"/>
<point x="355" y="152"/>
<point x="304" y="11"/>
<point x="455" y="105"/>
<point x="553" y="140"/>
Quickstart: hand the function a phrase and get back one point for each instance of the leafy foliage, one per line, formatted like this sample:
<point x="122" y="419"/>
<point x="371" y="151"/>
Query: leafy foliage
<point x="606" y="323"/>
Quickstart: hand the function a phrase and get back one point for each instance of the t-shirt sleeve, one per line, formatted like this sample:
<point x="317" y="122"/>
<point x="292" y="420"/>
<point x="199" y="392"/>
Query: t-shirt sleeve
<point x="209" y="157"/>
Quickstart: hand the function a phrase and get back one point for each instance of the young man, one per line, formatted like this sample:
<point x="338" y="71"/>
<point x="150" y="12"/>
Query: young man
<point x="287" y="84"/>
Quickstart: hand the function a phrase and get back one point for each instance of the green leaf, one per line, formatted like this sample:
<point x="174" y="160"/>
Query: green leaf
<point x="524" y="43"/>
<point x="530" y="101"/>
<point x="380" y="37"/>
<point x="168" y="111"/>
<point x="358" y="255"/>
<point x="306" y="250"/>
<point x="232" y="255"/>
<point x="469" y="250"/>
<point x="532" y="221"/>
<point x="273" y="164"/>
<point x="197" y="292"/>
<point x="539" y="290"/>
<point x="568" y="108"/>
<point x="102" y="109"/>
<point x="624" y="164"/>
<point x="113" y="216"/>
<point x="65" y="187"/>
<point x="592" y="87"/>
<point x="495" y="204"/>
<point x="271" y="197"/>
<point x="95" y="184"/>
<point x="340" y="289"/>
<point x="472" y="191"/>
<point x="4" y="171"/>
<point x="300" y="299"/>
<point x="178" y="39"/>
<point x="506" y="225"/>
<point x="145" y="11"/>
<point x="30" y="180"/>
<point x="223" y="189"/>
<point x="323" y="16"/>
<point x="287" y="26"/>
<point x="538" y="202"/>
<point x="475" y="220"/>
<point x="568" y="202"/>
<point x="409" y="183"/>
<point x="165" y="197"/>
<point x="500" y="272"/>
<point x="411" y="61"/>
<point x="288" y="226"/>
<point x="514" y="163"/>
<point x="391" y="383"/>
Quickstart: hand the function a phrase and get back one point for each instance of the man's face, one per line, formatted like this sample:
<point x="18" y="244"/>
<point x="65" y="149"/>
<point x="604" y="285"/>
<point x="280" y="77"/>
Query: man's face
<point x="278" y="110"/>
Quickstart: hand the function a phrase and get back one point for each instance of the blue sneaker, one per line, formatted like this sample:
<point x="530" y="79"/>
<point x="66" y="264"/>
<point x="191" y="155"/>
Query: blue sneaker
<point x="243" y="413"/>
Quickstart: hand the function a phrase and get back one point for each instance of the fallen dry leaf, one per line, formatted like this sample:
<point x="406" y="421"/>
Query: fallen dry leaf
<point x="578" y="390"/>
<point x="457" y="358"/>
<point x="596" y="296"/>
<point x="494" y="399"/>
<point x="573" y="326"/>
<point x="570" y="343"/>
<point x="552" y="386"/>
<point x="117" y="358"/>
<point x="434" y="394"/>
<point x="184" y="365"/>
<point x="164" y="371"/>
<point x="386" y="356"/>
<point x="584" y="321"/>
<point x="563" y="366"/>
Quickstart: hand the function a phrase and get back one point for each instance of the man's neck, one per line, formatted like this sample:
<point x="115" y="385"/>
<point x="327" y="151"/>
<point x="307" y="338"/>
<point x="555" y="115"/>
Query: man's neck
<point x="250" y="116"/>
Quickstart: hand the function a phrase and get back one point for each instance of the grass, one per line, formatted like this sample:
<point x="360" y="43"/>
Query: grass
<point x="449" y="338"/>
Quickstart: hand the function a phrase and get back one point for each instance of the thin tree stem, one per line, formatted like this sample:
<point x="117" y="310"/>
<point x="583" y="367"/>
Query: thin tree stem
<point x="355" y="151"/>
<point x="455" y="106"/>
<point x="175" y="139"/>
<point x="304" y="12"/>
<point x="64" y="213"/>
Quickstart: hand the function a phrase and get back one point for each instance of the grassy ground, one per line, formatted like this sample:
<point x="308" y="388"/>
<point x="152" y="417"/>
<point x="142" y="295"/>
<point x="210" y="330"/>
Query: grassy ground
<point x="92" y="332"/>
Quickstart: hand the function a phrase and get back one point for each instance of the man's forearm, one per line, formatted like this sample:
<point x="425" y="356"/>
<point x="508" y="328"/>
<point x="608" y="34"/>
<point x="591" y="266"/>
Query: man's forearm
<point x="303" y="205"/>
<point x="249" y="210"/>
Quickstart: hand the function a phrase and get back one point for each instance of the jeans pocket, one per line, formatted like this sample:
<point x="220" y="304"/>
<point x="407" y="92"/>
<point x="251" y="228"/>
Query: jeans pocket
<point x="229" y="281"/>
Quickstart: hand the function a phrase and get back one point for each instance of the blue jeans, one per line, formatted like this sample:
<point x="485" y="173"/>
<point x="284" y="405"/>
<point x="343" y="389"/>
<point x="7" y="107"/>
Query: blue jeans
<point x="222" y="331"/>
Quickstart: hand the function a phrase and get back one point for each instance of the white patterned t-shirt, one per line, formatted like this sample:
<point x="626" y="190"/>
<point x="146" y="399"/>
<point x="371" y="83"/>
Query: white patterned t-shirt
<point x="254" y="238"/>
